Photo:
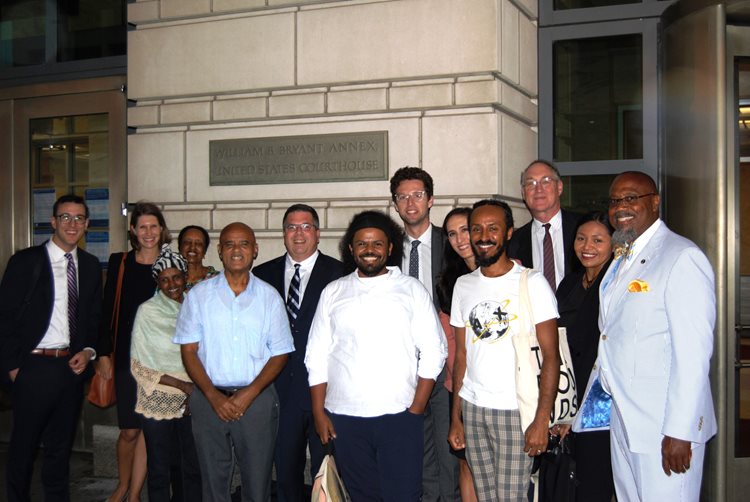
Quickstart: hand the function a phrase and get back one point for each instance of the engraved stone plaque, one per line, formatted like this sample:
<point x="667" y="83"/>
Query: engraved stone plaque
<point x="361" y="156"/>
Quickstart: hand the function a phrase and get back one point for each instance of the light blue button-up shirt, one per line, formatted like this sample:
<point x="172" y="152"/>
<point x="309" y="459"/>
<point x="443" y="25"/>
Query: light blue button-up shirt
<point x="237" y="335"/>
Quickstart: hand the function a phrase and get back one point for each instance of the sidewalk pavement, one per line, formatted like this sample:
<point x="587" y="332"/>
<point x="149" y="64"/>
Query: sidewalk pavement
<point x="84" y="487"/>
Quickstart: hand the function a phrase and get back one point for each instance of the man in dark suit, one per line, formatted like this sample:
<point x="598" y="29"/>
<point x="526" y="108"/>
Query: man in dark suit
<point x="546" y="242"/>
<point x="412" y="194"/>
<point x="299" y="276"/>
<point x="51" y="301"/>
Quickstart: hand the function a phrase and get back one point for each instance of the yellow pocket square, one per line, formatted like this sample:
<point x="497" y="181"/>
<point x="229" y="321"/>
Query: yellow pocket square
<point x="638" y="286"/>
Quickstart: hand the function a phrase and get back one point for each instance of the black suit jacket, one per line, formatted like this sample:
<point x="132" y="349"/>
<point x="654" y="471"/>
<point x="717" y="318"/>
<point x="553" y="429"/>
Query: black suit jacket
<point x="19" y="336"/>
<point x="519" y="247"/>
<point x="292" y="384"/>
<point x="438" y="244"/>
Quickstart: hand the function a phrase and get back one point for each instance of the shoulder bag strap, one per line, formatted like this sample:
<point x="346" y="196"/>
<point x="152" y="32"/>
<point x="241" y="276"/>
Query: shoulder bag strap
<point x="525" y="311"/>
<point x="114" y="323"/>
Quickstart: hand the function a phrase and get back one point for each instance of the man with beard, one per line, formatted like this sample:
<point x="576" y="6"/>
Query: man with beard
<point x="657" y="314"/>
<point x="485" y="313"/>
<point x="374" y="351"/>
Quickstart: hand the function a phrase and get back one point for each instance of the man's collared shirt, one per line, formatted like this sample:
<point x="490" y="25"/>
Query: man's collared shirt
<point x="558" y="245"/>
<point x="236" y="334"/>
<point x="58" y="332"/>
<point x="305" y="269"/>
<point x="370" y="341"/>
<point x="425" y="257"/>
<point x="620" y="266"/>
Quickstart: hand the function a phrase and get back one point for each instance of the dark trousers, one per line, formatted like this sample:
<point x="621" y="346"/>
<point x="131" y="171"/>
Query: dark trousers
<point x="593" y="467"/>
<point x="439" y="466"/>
<point x="380" y="458"/>
<point x="296" y="432"/>
<point x="162" y="438"/>
<point x="47" y="399"/>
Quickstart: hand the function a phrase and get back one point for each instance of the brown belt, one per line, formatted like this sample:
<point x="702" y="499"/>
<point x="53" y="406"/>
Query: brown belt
<point x="52" y="352"/>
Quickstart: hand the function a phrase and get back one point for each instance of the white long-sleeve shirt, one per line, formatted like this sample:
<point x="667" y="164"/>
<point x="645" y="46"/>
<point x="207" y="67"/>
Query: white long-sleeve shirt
<point x="371" y="340"/>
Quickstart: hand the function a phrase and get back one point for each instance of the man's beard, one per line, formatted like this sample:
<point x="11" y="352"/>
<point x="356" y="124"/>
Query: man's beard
<point x="623" y="238"/>
<point x="490" y="260"/>
<point x="370" y="270"/>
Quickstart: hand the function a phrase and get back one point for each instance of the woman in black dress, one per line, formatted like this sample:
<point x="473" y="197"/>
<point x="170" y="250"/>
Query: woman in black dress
<point x="148" y="231"/>
<point x="578" y="306"/>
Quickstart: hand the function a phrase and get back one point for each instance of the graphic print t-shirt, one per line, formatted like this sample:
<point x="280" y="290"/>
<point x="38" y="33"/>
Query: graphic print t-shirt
<point x="488" y="308"/>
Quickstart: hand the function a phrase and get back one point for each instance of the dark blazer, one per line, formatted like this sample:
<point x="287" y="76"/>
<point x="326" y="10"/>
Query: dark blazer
<point x="519" y="247"/>
<point x="292" y="384"/>
<point x="438" y="243"/>
<point x="19" y="336"/>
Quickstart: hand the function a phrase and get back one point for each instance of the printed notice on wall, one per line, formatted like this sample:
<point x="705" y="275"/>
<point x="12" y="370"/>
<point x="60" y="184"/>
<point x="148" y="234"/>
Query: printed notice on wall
<point x="317" y="158"/>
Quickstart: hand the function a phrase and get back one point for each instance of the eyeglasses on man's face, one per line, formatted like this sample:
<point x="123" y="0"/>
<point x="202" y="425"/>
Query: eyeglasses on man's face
<point x="305" y="227"/>
<point x="628" y="200"/>
<point x="545" y="182"/>
<point x="404" y="197"/>
<point x="77" y="219"/>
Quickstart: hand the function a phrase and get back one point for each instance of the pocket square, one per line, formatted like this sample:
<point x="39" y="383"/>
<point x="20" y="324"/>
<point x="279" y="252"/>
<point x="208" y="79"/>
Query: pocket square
<point x="638" y="286"/>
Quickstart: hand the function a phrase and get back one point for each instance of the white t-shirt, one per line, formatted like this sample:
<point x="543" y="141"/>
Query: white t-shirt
<point x="488" y="308"/>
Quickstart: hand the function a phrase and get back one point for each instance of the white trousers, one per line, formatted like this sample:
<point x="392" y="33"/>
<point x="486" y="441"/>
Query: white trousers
<point x="640" y="477"/>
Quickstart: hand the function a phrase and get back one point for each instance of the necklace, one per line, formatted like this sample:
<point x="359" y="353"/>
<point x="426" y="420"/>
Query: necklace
<point x="586" y="282"/>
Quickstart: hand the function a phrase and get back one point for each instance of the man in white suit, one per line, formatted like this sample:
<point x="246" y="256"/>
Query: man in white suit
<point x="657" y="314"/>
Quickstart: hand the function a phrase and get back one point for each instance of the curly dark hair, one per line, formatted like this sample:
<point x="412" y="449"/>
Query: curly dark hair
<point x="411" y="173"/>
<point x="372" y="219"/>
<point x="453" y="265"/>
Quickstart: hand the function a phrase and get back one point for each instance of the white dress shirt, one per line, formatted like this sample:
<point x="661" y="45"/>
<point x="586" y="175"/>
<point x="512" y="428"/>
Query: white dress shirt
<point x="558" y="245"/>
<point x="370" y="341"/>
<point x="58" y="332"/>
<point x="305" y="269"/>
<point x="425" y="257"/>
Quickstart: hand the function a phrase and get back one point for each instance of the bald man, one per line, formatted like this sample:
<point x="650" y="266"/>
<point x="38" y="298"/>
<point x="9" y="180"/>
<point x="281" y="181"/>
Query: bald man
<point x="235" y="339"/>
<point x="657" y="314"/>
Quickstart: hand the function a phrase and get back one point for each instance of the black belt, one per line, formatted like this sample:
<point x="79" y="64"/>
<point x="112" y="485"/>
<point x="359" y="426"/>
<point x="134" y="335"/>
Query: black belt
<point x="228" y="391"/>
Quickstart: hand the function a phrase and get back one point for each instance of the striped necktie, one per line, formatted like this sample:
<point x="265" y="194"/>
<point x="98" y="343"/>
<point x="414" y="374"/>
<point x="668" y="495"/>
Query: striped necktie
<point x="292" y="296"/>
<point x="549" y="258"/>
<point x="72" y="296"/>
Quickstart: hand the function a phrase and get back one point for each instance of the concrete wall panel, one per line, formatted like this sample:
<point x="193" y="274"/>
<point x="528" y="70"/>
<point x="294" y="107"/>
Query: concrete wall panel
<point x="390" y="40"/>
<point x="156" y="167"/>
<point x="229" y="55"/>
<point x="460" y="152"/>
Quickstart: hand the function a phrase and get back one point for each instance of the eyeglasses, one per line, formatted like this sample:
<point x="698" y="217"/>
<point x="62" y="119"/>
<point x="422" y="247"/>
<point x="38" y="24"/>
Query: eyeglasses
<point x="66" y="218"/>
<point x="403" y="197"/>
<point x="545" y="182"/>
<point x="628" y="200"/>
<point x="305" y="227"/>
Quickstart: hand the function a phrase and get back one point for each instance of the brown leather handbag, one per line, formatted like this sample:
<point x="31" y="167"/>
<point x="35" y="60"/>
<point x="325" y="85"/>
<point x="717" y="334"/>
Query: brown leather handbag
<point x="102" y="390"/>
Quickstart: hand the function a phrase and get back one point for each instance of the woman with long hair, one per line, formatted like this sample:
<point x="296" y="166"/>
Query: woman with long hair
<point x="148" y="231"/>
<point x="578" y="305"/>
<point x="458" y="259"/>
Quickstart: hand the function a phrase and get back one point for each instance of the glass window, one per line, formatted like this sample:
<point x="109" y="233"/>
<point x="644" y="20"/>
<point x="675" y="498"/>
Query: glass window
<point x="598" y="98"/>
<point x="35" y="32"/>
<point x="22" y="33"/>
<point x="91" y="29"/>
<point x="583" y="194"/>
<point x="70" y="155"/>
<point x="584" y="4"/>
